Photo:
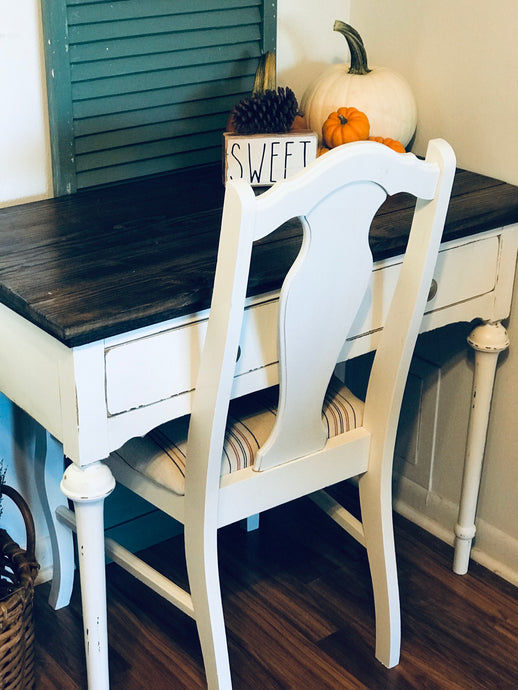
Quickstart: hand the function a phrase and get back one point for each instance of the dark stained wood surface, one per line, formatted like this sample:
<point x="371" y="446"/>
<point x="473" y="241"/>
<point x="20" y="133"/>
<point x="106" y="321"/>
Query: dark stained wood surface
<point x="101" y="262"/>
<point x="299" y="614"/>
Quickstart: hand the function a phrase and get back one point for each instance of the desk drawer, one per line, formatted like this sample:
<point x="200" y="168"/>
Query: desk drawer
<point x="462" y="273"/>
<point x="465" y="272"/>
<point x="166" y="364"/>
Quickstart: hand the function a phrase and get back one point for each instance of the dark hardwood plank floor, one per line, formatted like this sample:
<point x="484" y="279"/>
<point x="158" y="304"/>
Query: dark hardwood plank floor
<point x="299" y="615"/>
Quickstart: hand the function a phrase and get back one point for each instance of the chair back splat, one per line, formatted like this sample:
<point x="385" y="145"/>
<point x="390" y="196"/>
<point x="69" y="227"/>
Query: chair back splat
<point x="243" y="456"/>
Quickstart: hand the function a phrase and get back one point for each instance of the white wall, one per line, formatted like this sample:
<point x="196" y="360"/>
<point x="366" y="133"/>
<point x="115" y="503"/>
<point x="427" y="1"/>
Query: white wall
<point x="460" y="58"/>
<point x="24" y="176"/>
<point x="25" y="168"/>
<point x="306" y="43"/>
<point x="24" y="145"/>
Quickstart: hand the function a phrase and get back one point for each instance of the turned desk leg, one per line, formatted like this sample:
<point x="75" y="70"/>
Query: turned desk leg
<point x="488" y="341"/>
<point x="88" y="487"/>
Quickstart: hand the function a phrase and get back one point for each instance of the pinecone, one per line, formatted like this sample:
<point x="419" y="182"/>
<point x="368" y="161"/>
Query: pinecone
<point x="270" y="112"/>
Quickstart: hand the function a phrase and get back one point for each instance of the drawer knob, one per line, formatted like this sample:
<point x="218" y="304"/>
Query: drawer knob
<point x="433" y="290"/>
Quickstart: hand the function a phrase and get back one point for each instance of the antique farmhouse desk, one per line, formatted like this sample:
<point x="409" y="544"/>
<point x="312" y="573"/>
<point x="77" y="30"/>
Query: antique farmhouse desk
<point x="103" y="305"/>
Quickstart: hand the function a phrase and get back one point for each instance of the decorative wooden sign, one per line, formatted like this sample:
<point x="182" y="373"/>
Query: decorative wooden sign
<point x="263" y="159"/>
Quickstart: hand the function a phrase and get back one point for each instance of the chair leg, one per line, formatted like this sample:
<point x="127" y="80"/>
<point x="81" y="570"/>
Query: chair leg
<point x="376" y="507"/>
<point x="201" y="552"/>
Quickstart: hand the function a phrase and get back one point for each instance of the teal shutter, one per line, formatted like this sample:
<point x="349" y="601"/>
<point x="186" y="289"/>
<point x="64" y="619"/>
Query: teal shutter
<point x="142" y="87"/>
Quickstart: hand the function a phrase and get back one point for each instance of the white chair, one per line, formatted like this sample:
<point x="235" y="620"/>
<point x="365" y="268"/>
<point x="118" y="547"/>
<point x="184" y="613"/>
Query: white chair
<point x="228" y="470"/>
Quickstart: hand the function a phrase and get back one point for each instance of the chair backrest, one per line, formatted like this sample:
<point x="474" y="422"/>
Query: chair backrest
<point x="336" y="198"/>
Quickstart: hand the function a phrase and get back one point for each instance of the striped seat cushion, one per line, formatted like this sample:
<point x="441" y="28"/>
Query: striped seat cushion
<point x="160" y="455"/>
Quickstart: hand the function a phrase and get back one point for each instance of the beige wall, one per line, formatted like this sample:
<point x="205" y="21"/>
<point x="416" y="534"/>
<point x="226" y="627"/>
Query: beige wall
<point x="461" y="59"/>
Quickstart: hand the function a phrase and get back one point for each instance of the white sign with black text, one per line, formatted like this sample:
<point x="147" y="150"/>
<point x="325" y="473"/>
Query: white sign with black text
<point x="263" y="159"/>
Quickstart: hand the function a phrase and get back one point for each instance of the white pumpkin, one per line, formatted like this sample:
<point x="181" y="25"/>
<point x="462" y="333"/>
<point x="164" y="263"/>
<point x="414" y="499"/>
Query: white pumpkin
<point x="381" y="93"/>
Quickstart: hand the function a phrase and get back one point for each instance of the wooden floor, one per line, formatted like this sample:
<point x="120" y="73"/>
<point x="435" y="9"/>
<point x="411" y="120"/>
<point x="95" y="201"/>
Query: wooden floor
<point x="298" y="608"/>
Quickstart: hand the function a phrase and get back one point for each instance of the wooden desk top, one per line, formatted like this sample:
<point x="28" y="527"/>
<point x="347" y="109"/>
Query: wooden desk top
<point x="105" y="261"/>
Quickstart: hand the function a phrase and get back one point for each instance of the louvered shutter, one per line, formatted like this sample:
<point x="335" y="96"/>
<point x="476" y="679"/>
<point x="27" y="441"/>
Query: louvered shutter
<point x="142" y="87"/>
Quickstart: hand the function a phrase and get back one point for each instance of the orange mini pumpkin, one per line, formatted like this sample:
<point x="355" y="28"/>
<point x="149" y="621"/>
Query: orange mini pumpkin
<point x="345" y="125"/>
<point x="299" y="123"/>
<point x="394" y="144"/>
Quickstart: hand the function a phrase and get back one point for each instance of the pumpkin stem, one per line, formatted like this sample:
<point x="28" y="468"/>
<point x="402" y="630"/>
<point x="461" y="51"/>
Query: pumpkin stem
<point x="356" y="48"/>
<point x="342" y="118"/>
<point x="265" y="77"/>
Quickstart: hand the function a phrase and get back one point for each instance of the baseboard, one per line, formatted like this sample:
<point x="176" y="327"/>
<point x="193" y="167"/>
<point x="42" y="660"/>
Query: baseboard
<point x="495" y="550"/>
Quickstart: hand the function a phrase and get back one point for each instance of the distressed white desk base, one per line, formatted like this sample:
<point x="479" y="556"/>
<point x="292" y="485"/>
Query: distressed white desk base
<point x="85" y="397"/>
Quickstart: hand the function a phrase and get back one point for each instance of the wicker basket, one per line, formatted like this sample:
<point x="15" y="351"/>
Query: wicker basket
<point x="18" y="570"/>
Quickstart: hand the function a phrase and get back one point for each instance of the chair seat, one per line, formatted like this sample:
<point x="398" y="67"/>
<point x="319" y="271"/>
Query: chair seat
<point x="160" y="455"/>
